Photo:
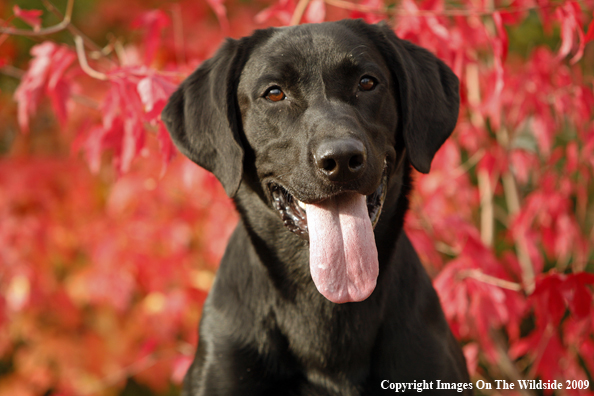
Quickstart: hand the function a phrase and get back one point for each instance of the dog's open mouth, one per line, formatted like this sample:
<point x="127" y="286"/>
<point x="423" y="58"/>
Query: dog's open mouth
<point x="293" y="213"/>
<point x="342" y="253"/>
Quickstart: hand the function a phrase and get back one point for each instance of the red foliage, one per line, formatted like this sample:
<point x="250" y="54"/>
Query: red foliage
<point x="104" y="279"/>
<point x="105" y="267"/>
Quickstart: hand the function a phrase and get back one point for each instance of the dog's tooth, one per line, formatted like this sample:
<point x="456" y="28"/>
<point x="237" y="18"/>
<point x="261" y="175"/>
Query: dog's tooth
<point x="301" y="204"/>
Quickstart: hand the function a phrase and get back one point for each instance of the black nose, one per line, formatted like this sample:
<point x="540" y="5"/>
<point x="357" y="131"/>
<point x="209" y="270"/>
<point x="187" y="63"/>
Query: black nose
<point x="341" y="160"/>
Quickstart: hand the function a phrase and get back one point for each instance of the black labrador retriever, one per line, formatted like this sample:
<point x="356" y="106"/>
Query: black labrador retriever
<point x="312" y="131"/>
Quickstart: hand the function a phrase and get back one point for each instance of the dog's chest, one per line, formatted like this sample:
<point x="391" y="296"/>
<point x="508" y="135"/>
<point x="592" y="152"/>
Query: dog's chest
<point x="325" y="338"/>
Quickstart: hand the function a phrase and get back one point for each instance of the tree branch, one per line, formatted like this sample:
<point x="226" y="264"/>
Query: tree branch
<point x="470" y="162"/>
<point x="491" y="280"/>
<point x="298" y="13"/>
<point x="487" y="215"/>
<point x="12" y="71"/>
<point x="512" y="199"/>
<point x="507" y="366"/>
<point x="71" y="28"/>
<point x="82" y="59"/>
<point x="45" y="31"/>
<point x="347" y="5"/>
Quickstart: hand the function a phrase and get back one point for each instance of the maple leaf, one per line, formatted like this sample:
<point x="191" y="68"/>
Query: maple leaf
<point x="122" y="129"/>
<point x="44" y="76"/>
<point x="31" y="17"/>
<point x="154" y="92"/>
<point x="153" y="22"/>
<point x="58" y="87"/>
<point x="570" y="23"/>
<point x="29" y="93"/>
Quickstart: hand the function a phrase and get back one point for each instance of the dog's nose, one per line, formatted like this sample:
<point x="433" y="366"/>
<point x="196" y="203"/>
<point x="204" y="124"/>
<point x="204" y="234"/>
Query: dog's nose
<point x="341" y="160"/>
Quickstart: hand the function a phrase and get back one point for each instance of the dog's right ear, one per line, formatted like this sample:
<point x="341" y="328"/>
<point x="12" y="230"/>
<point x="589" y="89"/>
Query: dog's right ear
<point x="203" y="118"/>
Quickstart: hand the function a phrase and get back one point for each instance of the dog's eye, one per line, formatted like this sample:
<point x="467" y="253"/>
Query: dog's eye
<point x="274" y="94"/>
<point x="367" y="83"/>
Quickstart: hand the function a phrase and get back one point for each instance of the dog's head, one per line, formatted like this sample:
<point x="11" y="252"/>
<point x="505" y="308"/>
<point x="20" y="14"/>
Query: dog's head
<point x="328" y="112"/>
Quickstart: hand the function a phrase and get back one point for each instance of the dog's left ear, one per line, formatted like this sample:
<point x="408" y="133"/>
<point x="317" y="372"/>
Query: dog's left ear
<point x="427" y="91"/>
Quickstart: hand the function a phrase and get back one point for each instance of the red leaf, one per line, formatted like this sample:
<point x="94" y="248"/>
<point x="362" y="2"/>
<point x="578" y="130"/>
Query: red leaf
<point x="134" y="136"/>
<point x="525" y="345"/>
<point x="502" y="42"/>
<point x="221" y="12"/>
<point x="147" y="348"/>
<point x="316" y="12"/>
<point x="132" y="142"/>
<point x="548" y="366"/>
<point x="153" y="22"/>
<point x="59" y="95"/>
<point x="578" y="294"/>
<point x="547" y="299"/>
<point x="569" y="15"/>
<point x="500" y="46"/>
<point x="283" y="10"/>
<point x="45" y="75"/>
<point x="584" y="278"/>
<point x="545" y="347"/>
<point x="109" y="138"/>
<point x="409" y="24"/>
<point x="111" y="106"/>
<point x="28" y="94"/>
<point x="471" y="352"/>
<point x="166" y="146"/>
<point x="154" y="92"/>
<point x="587" y="350"/>
<point x="92" y="147"/>
<point x="181" y="365"/>
<point x="58" y="88"/>
<point x="556" y="305"/>
<point x="522" y="163"/>
<point x="581" y="39"/>
<point x="31" y="17"/>
<point x="582" y="302"/>
<point x="572" y="155"/>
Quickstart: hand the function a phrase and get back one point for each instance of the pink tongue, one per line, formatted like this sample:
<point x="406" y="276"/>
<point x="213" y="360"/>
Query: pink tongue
<point x="342" y="253"/>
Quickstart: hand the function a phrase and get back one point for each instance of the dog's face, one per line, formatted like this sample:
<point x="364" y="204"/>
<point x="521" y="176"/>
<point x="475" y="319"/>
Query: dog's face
<point x="319" y="111"/>
<point x="327" y="112"/>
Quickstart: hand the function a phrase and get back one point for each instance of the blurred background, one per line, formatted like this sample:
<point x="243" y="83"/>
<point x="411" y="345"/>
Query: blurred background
<point x="110" y="240"/>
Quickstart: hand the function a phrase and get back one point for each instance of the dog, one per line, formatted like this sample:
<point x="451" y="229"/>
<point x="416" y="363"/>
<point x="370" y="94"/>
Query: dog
<point x="313" y="130"/>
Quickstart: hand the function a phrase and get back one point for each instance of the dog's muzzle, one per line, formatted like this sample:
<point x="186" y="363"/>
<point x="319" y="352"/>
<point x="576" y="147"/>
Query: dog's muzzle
<point x="293" y="213"/>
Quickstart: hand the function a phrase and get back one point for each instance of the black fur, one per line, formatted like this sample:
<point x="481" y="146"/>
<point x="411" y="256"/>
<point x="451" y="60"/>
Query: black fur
<point x="265" y="329"/>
